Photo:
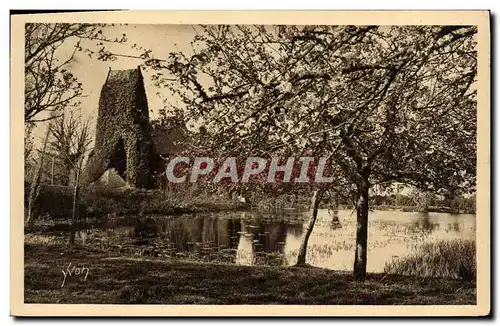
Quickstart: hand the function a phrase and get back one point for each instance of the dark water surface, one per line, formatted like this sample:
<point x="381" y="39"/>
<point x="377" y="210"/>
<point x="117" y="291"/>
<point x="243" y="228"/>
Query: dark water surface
<point x="249" y="238"/>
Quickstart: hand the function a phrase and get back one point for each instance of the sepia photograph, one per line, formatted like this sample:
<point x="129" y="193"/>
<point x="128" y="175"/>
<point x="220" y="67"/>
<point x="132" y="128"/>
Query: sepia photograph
<point x="281" y="163"/>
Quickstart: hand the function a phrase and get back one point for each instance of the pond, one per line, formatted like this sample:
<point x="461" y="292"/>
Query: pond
<point x="249" y="238"/>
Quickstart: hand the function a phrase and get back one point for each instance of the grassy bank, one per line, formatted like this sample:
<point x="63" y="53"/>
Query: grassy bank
<point x="115" y="279"/>
<point x="56" y="202"/>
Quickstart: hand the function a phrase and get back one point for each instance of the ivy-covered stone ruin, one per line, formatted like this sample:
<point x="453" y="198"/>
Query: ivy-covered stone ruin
<point x="123" y="139"/>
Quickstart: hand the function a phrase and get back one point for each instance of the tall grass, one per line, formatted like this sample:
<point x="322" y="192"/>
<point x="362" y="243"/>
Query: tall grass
<point x="445" y="258"/>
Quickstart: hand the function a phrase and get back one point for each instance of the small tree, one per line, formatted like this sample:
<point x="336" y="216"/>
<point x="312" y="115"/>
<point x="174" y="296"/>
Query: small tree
<point x="49" y="86"/>
<point x="36" y="177"/>
<point x="64" y="146"/>
<point x="420" y="128"/>
<point x="83" y="140"/>
<point x="69" y="143"/>
<point x="28" y="151"/>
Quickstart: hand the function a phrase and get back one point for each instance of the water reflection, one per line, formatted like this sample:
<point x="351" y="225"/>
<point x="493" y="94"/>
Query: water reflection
<point x="454" y="226"/>
<point x="262" y="241"/>
<point x="249" y="238"/>
<point x="193" y="234"/>
<point x="423" y="223"/>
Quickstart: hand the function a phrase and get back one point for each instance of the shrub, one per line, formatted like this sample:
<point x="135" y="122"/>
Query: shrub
<point x="445" y="258"/>
<point x="56" y="202"/>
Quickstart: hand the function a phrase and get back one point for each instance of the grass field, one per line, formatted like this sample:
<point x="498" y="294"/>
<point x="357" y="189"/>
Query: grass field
<point x="114" y="279"/>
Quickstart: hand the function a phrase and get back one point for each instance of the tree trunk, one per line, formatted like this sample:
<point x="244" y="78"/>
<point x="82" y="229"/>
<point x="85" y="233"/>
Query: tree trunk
<point x="361" y="232"/>
<point x="76" y="194"/>
<point x="52" y="172"/>
<point x="316" y="198"/>
<point x="72" y="237"/>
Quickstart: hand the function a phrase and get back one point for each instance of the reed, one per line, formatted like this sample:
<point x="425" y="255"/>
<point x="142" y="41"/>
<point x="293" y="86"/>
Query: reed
<point x="445" y="258"/>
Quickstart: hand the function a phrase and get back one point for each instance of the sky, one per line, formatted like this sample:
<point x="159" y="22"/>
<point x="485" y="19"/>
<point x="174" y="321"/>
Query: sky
<point x="161" y="39"/>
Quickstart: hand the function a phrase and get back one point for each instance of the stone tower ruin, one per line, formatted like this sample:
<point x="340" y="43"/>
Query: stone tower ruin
<point x="123" y="132"/>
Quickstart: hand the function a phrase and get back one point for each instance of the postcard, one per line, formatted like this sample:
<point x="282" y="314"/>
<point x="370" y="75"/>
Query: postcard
<point x="250" y="163"/>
